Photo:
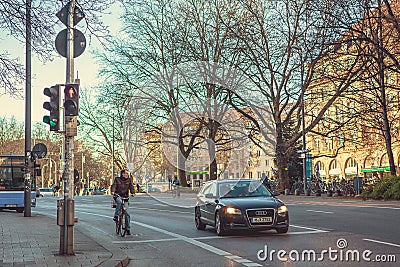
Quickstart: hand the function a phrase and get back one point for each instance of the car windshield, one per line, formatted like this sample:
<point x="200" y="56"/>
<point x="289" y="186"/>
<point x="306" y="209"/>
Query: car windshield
<point x="235" y="189"/>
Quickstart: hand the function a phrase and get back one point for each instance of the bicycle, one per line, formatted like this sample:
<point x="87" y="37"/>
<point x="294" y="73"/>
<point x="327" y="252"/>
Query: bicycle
<point x="120" y="224"/>
<point x="174" y="190"/>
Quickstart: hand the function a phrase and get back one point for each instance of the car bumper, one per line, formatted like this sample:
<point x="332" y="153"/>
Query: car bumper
<point x="237" y="222"/>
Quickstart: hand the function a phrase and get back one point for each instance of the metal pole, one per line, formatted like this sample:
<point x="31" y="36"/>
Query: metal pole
<point x="66" y="231"/>
<point x="28" y="117"/>
<point x="304" y="143"/>
<point x="83" y="162"/>
<point x="112" y="152"/>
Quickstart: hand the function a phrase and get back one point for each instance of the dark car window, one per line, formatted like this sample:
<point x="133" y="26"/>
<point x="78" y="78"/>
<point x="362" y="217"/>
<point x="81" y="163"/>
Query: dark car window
<point x="243" y="189"/>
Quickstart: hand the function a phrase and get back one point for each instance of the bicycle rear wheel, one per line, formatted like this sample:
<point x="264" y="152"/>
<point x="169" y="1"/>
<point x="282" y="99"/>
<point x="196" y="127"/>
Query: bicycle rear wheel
<point x="122" y="219"/>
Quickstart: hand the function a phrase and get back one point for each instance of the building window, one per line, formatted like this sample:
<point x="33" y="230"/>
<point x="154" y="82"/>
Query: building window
<point x="266" y="162"/>
<point x="258" y="175"/>
<point x="251" y="175"/>
<point x="352" y="163"/>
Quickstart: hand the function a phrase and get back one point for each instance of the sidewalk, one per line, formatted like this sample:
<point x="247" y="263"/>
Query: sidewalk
<point x="35" y="241"/>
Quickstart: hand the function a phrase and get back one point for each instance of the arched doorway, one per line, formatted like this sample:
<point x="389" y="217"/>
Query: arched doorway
<point x="351" y="169"/>
<point x="335" y="171"/>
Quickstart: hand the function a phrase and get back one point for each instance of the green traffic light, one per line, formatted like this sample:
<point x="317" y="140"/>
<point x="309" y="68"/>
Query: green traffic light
<point x="46" y="119"/>
<point x="51" y="122"/>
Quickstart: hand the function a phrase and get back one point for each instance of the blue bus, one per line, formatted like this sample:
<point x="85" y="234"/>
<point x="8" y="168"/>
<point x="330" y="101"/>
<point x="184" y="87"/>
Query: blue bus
<point x="12" y="183"/>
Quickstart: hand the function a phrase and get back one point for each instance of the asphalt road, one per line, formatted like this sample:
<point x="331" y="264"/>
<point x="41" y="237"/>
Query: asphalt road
<point x="336" y="230"/>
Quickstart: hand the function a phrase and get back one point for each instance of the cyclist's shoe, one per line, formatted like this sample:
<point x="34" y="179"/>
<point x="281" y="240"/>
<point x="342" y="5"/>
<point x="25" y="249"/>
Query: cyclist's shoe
<point x="115" y="219"/>
<point x="128" y="232"/>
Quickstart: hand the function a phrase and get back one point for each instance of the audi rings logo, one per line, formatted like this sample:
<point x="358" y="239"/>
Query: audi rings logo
<point x="192" y="117"/>
<point x="261" y="212"/>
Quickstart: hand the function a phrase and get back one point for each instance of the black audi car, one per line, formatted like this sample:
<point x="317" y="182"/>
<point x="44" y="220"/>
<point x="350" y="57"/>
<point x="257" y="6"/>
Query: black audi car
<point x="239" y="204"/>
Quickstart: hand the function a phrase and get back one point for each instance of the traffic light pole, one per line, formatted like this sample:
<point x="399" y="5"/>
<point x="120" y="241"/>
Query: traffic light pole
<point x="67" y="230"/>
<point x="28" y="115"/>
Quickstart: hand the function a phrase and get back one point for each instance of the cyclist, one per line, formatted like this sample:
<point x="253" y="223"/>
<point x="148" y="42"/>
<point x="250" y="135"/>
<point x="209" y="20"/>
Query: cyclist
<point x="121" y="186"/>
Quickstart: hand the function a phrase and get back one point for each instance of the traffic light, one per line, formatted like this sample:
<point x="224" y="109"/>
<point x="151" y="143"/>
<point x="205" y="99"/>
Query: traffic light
<point x="71" y="99"/>
<point x="76" y="176"/>
<point x="53" y="106"/>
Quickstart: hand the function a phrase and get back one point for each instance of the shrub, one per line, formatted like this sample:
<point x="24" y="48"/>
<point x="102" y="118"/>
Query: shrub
<point x="387" y="188"/>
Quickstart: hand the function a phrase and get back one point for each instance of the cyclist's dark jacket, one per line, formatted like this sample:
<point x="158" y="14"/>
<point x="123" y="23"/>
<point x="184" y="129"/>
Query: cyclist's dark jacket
<point x="122" y="185"/>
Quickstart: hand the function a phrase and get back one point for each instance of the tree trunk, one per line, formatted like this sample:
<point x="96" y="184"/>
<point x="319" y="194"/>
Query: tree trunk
<point x="282" y="163"/>
<point x="181" y="164"/>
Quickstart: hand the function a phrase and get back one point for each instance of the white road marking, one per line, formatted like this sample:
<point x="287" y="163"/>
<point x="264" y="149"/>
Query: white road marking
<point x="251" y="264"/>
<point x="320" y="211"/>
<point x="307" y="232"/>
<point x="381" y="242"/>
<point x="192" y="241"/>
<point x="308" y="228"/>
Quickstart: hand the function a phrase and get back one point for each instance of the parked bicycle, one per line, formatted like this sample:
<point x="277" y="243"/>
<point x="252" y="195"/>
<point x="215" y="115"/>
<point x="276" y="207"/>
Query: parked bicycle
<point x="122" y="222"/>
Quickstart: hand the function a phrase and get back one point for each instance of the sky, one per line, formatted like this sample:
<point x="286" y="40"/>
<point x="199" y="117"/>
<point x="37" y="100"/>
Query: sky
<point x="51" y="73"/>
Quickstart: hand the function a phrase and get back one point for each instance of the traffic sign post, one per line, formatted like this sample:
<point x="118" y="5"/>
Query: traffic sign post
<point x="70" y="43"/>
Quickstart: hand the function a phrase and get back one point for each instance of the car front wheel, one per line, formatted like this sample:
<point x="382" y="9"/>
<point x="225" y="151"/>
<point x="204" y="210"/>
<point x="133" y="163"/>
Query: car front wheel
<point x="197" y="218"/>
<point x="219" y="225"/>
<point x="282" y="230"/>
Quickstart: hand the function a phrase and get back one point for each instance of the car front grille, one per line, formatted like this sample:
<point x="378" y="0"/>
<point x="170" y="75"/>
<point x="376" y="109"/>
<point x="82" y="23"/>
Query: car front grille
<point x="260" y="217"/>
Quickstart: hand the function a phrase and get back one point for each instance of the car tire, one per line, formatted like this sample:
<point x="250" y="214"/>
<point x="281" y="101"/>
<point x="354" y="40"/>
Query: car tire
<point x="282" y="230"/>
<point x="197" y="218"/>
<point x="219" y="225"/>
<point x="20" y="210"/>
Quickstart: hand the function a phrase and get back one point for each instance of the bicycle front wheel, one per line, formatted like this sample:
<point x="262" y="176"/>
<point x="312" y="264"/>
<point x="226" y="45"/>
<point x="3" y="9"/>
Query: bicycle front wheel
<point x="122" y="219"/>
<point x="174" y="193"/>
<point x="118" y="226"/>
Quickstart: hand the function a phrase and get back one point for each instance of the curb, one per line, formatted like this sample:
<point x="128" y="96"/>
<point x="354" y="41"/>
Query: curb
<point x="112" y="262"/>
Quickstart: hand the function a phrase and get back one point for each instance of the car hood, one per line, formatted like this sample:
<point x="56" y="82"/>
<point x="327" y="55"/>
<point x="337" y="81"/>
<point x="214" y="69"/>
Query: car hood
<point x="251" y="202"/>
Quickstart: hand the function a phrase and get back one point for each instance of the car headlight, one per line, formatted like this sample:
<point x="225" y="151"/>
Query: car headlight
<point x="282" y="210"/>
<point x="231" y="210"/>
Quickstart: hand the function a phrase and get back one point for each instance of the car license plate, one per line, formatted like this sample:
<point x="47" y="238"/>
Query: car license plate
<point x="11" y="205"/>
<point x="261" y="219"/>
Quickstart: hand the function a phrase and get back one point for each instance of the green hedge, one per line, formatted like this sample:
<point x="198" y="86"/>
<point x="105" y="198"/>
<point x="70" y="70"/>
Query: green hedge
<point x="388" y="188"/>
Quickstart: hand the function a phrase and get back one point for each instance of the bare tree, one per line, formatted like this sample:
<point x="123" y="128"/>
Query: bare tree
<point x="286" y="47"/>
<point x="44" y="24"/>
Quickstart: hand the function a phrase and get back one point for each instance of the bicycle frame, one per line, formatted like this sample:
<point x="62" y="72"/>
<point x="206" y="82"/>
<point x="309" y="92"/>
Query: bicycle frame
<point x="120" y="224"/>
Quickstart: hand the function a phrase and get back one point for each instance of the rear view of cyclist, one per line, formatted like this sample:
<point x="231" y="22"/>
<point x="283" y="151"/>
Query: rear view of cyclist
<point x="121" y="186"/>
